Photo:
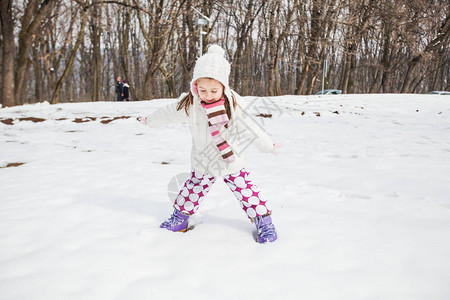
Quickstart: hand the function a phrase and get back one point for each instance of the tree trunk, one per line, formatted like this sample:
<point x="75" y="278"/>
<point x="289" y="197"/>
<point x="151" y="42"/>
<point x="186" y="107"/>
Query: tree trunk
<point x="299" y="70"/>
<point x="38" y="82"/>
<point x="7" y="27"/>
<point x="385" y="75"/>
<point x="98" y="63"/>
<point x="307" y="76"/>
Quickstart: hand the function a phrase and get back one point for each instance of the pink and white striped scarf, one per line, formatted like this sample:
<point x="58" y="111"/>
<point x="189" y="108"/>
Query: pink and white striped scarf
<point x="217" y="115"/>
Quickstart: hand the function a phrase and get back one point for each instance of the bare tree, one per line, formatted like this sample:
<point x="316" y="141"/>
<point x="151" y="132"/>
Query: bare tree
<point x="73" y="49"/>
<point x="440" y="40"/>
<point x="8" y="53"/>
<point x="57" y="91"/>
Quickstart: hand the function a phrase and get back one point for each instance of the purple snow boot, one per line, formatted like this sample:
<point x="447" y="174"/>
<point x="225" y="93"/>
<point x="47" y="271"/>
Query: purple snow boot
<point x="177" y="222"/>
<point x="266" y="230"/>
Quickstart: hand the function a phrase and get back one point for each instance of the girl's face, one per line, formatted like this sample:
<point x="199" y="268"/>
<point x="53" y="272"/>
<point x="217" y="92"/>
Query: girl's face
<point x="209" y="90"/>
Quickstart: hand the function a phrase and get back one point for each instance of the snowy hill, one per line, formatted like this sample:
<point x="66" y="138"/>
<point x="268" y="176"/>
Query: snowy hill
<point x="360" y="191"/>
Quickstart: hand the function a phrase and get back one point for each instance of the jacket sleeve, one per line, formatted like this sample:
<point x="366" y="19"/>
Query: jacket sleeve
<point x="251" y="129"/>
<point x="166" y="115"/>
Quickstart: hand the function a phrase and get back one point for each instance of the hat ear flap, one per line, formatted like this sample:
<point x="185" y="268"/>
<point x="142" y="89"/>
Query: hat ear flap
<point x="195" y="88"/>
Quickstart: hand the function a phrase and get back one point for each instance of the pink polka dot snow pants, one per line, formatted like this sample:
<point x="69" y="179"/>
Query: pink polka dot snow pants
<point x="198" y="185"/>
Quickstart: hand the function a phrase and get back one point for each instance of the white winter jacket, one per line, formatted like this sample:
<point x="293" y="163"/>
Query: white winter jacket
<point x="243" y="130"/>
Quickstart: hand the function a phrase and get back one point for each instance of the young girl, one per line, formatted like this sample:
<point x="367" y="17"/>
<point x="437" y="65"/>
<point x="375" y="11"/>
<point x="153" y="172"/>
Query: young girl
<point x="221" y="130"/>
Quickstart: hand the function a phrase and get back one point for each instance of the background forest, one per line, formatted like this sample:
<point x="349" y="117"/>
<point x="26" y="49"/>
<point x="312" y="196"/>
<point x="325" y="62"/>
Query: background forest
<point x="72" y="50"/>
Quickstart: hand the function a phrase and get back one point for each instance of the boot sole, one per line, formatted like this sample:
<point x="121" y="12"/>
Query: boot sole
<point x="188" y="228"/>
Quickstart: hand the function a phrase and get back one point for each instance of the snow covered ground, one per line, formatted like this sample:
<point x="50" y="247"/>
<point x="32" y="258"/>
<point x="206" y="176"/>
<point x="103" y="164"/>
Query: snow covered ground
<point x="360" y="190"/>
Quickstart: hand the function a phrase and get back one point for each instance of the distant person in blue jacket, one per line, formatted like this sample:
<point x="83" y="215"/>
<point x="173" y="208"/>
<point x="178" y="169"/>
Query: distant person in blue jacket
<point x="119" y="89"/>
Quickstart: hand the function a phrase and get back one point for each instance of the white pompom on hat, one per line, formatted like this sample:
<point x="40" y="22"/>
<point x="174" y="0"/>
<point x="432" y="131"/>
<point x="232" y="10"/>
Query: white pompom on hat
<point x="212" y="64"/>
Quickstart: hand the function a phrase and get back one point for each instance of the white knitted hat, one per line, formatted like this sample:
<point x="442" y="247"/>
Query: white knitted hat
<point x="212" y="64"/>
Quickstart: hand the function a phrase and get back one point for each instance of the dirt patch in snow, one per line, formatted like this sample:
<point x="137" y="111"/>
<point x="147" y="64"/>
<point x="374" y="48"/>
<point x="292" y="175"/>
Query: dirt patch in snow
<point x="10" y="165"/>
<point x="105" y="120"/>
